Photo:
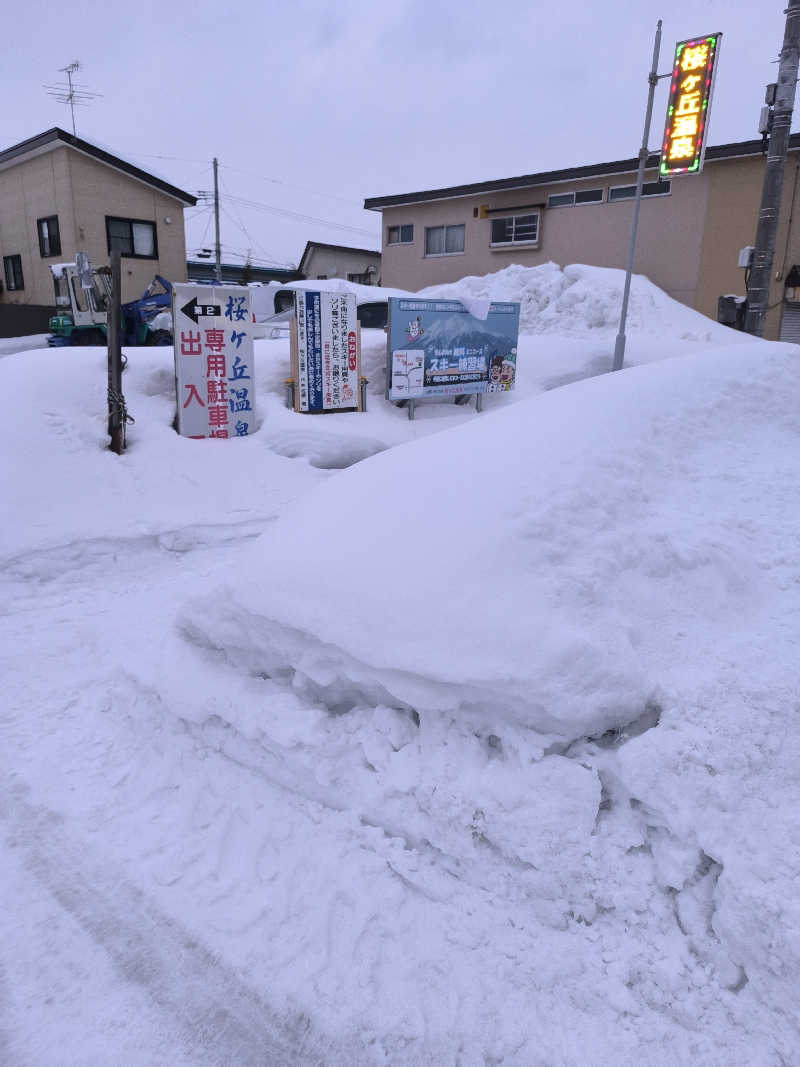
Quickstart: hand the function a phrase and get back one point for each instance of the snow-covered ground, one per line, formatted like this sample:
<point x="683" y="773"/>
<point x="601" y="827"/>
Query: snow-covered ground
<point x="462" y="741"/>
<point x="11" y="345"/>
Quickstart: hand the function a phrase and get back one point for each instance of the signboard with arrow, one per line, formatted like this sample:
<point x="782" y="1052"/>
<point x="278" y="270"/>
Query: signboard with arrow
<point x="214" y="379"/>
<point x="194" y="311"/>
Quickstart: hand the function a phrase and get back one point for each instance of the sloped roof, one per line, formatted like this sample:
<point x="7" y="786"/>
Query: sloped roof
<point x="52" y="138"/>
<point x="549" y="177"/>
<point x="310" y="245"/>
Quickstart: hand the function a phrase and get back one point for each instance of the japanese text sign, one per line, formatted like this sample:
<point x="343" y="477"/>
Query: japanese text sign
<point x="214" y="380"/>
<point x="437" y="348"/>
<point x="328" y="351"/>
<point x="688" y="106"/>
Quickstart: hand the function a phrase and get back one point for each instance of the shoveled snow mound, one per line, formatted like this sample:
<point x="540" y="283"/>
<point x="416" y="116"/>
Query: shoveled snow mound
<point x="588" y="603"/>
<point x="583" y="301"/>
<point x="553" y="564"/>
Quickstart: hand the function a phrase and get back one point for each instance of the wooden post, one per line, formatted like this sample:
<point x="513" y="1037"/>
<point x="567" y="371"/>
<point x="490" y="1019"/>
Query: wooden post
<point x="116" y="402"/>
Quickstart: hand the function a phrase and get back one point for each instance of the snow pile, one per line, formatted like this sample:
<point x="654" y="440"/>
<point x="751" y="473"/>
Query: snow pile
<point x="564" y="634"/>
<point x="545" y="531"/>
<point x="483" y="750"/>
<point x="10" y="345"/>
<point x="581" y="301"/>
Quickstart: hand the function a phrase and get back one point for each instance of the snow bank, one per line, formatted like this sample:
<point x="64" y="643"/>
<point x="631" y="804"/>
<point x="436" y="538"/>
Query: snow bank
<point x="546" y="566"/>
<point x="581" y="301"/>
<point x="556" y="647"/>
<point x="10" y="345"/>
<point x="485" y="752"/>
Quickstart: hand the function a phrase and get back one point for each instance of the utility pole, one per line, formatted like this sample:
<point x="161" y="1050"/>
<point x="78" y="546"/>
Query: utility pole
<point x="652" y="79"/>
<point x="218" y="270"/>
<point x="772" y="189"/>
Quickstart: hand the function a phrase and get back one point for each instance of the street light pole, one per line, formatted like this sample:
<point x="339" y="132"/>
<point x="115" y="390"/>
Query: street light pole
<point x="619" y="347"/>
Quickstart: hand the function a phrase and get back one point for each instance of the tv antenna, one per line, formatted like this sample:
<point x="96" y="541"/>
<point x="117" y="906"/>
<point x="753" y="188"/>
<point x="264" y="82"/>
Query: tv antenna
<point x="73" y="93"/>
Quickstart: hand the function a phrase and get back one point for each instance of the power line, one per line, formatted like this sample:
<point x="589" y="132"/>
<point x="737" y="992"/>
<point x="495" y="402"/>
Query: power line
<point x="176" y="159"/>
<point x="271" y="258"/>
<point x="243" y="228"/>
<point x="290" y="185"/>
<point x="194" y="214"/>
<point x="255" y="205"/>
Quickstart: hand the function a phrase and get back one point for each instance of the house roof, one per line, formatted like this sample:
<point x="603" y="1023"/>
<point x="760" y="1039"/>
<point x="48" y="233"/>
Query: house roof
<point x="205" y="270"/>
<point x="310" y="245"/>
<point x="48" y="140"/>
<point x="550" y="177"/>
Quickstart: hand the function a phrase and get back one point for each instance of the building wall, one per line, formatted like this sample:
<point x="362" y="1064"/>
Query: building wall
<point x="99" y="190"/>
<point x="336" y="263"/>
<point x="597" y="234"/>
<point x="29" y="191"/>
<point x="82" y="191"/>
<point x="734" y="202"/>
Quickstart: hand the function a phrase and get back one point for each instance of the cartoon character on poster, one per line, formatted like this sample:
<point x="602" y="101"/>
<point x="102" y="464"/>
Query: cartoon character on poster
<point x="495" y="371"/>
<point x="414" y="329"/>
<point x="507" y="371"/>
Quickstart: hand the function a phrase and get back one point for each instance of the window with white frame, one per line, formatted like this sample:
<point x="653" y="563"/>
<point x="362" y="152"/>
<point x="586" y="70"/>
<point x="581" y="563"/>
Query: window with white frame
<point x="400" y="235"/>
<point x="582" y="196"/>
<point x="516" y="229"/>
<point x="444" y="240"/>
<point x="628" y="192"/>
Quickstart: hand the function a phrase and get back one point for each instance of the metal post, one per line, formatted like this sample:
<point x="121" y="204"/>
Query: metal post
<point x="772" y="189"/>
<point x="71" y="95"/>
<point x="289" y="393"/>
<point x="479" y="401"/>
<point x="218" y="268"/>
<point x="116" y="403"/>
<point x="363" y="383"/>
<point x="411" y="409"/>
<point x="619" y="347"/>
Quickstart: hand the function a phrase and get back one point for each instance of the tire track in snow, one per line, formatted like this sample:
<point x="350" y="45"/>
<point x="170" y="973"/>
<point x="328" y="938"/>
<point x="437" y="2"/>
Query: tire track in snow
<point x="221" y="1020"/>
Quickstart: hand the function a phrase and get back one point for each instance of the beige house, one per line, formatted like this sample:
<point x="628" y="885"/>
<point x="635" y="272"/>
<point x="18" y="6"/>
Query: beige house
<point x="691" y="228"/>
<point x="361" y="265"/>
<point x="60" y="194"/>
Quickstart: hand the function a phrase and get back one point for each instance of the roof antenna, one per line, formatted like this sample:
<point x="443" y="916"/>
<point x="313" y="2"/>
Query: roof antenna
<point x="73" y="93"/>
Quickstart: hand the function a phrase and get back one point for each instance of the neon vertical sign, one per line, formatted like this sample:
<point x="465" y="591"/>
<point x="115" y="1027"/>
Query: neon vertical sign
<point x="689" y="101"/>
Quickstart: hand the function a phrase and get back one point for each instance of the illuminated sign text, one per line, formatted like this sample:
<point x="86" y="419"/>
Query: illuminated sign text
<point x="689" y="101"/>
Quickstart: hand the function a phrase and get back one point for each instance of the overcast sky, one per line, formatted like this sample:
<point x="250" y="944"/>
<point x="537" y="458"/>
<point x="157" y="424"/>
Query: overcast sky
<point x="312" y="106"/>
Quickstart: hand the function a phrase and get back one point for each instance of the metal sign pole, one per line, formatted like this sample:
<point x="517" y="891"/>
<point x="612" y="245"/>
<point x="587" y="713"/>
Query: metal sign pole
<point x="619" y="347"/>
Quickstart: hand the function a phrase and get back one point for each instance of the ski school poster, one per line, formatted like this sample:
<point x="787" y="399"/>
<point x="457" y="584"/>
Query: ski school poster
<point x="437" y="347"/>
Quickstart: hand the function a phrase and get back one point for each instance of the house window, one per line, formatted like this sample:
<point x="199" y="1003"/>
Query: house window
<point x="628" y="192"/>
<point x="132" y="238"/>
<point x="49" y="237"/>
<point x="361" y="279"/>
<point x="444" y="240"/>
<point x="13" y="269"/>
<point x="400" y="235"/>
<point x="516" y="229"/>
<point x="583" y="196"/>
